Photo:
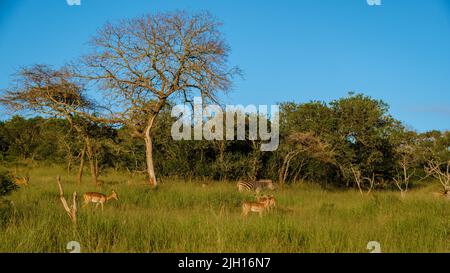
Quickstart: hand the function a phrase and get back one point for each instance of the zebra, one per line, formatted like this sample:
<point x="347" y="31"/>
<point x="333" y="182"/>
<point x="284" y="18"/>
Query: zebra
<point x="255" y="186"/>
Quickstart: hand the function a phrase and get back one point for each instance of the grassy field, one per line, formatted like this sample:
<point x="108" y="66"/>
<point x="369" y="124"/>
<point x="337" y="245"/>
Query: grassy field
<point x="186" y="217"/>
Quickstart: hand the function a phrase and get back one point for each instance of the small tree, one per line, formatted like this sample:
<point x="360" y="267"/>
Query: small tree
<point x="72" y="210"/>
<point x="306" y="145"/>
<point x="50" y="92"/>
<point x="405" y="171"/>
<point x="440" y="171"/>
<point x="361" y="180"/>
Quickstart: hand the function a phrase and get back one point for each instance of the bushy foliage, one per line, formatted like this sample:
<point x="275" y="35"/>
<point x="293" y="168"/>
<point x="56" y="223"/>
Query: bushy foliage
<point x="6" y="184"/>
<point x="319" y="142"/>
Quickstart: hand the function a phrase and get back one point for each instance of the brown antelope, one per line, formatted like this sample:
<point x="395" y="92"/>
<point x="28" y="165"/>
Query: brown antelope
<point x="257" y="207"/>
<point x="21" y="181"/>
<point x="98" y="198"/>
<point x="271" y="201"/>
<point x="445" y="194"/>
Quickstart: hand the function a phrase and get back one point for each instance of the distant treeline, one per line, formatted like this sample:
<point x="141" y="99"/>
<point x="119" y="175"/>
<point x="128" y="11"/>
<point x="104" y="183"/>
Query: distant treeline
<point x="340" y="142"/>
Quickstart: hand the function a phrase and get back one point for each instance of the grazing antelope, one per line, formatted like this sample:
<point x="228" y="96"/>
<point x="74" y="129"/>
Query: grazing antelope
<point x="255" y="186"/>
<point x="21" y="181"/>
<point x="98" y="198"/>
<point x="445" y="193"/>
<point x="257" y="207"/>
<point x="271" y="201"/>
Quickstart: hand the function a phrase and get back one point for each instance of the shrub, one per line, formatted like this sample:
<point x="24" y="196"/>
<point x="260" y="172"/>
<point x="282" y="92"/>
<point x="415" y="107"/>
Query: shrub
<point x="6" y="184"/>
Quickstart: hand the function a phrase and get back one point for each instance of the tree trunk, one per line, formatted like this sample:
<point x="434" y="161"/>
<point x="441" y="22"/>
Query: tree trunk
<point x="96" y="167"/>
<point x="223" y="174"/>
<point x="149" y="158"/>
<point x="92" y="168"/>
<point x="149" y="144"/>
<point x="299" y="170"/>
<point x="69" y="157"/>
<point x="282" y="171"/>
<point x="80" y="170"/>
<point x="402" y="193"/>
<point x="90" y="154"/>
<point x="69" y="165"/>
<point x="285" y="166"/>
<point x="72" y="210"/>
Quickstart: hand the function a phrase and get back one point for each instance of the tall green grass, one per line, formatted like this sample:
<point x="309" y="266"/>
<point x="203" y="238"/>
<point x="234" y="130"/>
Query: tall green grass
<point x="186" y="217"/>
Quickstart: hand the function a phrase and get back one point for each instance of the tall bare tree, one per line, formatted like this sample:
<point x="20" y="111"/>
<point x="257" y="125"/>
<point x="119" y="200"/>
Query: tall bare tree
<point x="141" y="64"/>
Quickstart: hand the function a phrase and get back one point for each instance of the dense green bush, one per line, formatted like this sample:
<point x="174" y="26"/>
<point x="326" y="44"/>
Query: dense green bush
<point x="6" y="184"/>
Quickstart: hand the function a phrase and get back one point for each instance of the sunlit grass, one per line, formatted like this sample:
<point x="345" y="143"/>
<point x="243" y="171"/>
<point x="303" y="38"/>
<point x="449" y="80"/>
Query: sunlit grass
<point x="187" y="217"/>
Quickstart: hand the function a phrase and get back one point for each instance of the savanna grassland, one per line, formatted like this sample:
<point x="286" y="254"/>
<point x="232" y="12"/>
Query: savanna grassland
<point x="185" y="216"/>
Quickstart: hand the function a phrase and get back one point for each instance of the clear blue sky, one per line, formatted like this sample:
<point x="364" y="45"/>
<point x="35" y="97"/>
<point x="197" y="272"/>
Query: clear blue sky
<point x="296" y="50"/>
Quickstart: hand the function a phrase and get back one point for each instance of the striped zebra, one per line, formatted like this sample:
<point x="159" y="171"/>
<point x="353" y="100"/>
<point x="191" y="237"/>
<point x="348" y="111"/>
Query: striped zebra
<point x="255" y="186"/>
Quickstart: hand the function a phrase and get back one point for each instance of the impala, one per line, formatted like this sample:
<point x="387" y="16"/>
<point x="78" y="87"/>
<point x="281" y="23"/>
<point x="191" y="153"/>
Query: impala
<point x="98" y="198"/>
<point x="270" y="200"/>
<point x="257" y="207"/>
<point x="21" y="181"/>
